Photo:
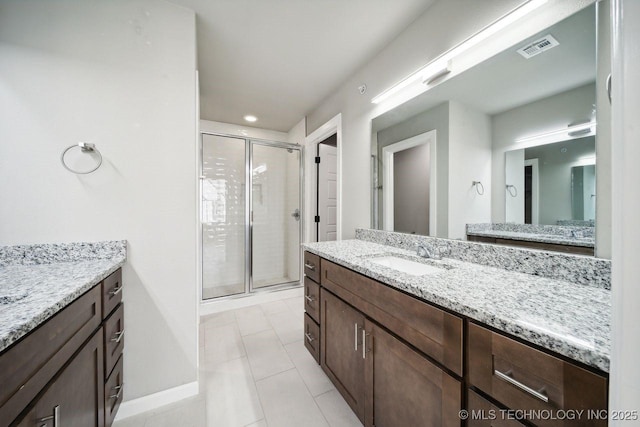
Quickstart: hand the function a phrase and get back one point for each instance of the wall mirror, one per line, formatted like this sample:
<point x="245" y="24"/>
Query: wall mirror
<point x="552" y="184"/>
<point x="456" y="154"/>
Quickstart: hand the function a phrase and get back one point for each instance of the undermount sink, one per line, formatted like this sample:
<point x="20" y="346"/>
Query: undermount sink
<point x="406" y="266"/>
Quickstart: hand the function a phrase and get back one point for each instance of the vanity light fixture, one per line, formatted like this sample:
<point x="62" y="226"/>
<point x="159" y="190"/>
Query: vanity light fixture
<point x="570" y="132"/>
<point x="435" y="69"/>
<point x="250" y="118"/>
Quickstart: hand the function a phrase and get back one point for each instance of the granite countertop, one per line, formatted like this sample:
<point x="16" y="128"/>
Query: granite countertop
<point x="535" y="237"/>
<point x="32" y="292"/>
<point x="564" y="317"/>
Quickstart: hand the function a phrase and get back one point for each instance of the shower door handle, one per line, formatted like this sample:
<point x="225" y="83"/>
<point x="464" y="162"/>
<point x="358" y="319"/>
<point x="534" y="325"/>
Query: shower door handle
<point x="296" y="214"/>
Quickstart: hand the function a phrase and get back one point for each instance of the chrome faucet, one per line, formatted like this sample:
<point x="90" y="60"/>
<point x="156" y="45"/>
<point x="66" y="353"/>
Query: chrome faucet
<point x="425" y="252"/>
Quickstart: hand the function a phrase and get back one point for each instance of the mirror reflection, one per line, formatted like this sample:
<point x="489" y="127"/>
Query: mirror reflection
<point x="511" y="140"/>
<point x="552" y="184"/>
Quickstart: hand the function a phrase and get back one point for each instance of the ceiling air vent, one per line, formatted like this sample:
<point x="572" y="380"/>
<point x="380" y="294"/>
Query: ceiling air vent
<point x="538" y="46"/>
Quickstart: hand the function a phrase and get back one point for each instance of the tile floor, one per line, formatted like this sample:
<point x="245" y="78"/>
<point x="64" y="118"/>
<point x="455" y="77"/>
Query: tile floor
<point x="255" y="371"/>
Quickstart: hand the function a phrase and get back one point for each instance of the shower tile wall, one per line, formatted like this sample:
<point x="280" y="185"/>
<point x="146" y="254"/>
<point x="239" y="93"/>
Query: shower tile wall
<point x="275" y="232"/>
<point x="223" y="216"/>
<point x="276" y="195"/>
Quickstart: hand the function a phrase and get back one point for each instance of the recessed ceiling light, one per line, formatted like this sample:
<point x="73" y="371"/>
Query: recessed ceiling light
<point x="250" y="118"/>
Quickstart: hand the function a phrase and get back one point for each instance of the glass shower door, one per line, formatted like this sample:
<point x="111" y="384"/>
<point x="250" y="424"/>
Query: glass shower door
<point x="224" y="176"/>
<point x="276" y="218"/>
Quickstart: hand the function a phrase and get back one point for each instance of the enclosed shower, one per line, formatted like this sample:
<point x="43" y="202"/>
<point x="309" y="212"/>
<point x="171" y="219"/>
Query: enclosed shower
<point x="250" y="217"/>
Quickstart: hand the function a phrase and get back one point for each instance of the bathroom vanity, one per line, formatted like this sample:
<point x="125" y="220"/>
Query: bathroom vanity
<point x="61" y="334"/>
<point x="417" y="349"/>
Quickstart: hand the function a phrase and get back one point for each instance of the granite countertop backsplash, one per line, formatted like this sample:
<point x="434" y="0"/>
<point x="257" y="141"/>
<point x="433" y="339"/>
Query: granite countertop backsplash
<point x="572" y="319"/>
<point x="554" y="234"/>
<point x="37" y="281"/>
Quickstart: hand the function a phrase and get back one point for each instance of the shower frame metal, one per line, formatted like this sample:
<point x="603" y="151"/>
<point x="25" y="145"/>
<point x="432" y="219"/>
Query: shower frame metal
<point x="248" y="277"/>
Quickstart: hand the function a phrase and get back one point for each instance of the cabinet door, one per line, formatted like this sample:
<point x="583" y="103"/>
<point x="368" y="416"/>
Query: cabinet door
<point x="341" y="349"/>
<point x="75" y="398"/>
<point x="404" y="388"/>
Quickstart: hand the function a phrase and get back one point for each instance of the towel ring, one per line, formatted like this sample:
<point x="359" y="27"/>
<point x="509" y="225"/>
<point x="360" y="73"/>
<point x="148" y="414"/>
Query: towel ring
<point x="513" y="193"/>
<point x="479" y="187"/>
<point x="85" y="147"/>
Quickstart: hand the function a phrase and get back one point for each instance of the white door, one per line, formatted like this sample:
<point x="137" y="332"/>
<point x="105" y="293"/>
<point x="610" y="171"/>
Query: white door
<point x="327" y="193"/>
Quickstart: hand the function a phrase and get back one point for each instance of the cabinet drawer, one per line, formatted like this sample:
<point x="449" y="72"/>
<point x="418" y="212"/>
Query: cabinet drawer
<point x="113" y="390"/>
<point x="27" y="366"/>
<point x="524" y="378"/>
<point x="312" y="266"/>
<point x="483" y="413"/>
<point x="312" y="299"/>
<point x="113" y="338"/>
<point x="432" y="330"/>
<point x="312" y="337"/>
<point x="111" y="292"/>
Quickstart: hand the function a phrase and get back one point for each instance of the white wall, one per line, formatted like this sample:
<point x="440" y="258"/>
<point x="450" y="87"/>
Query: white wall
<point x="242" y="131"/>
<point x="442" y="26"/>
<point x="469" y="160"/>
<point x="625" y="370"/>
<point x="514" y="175"/>
<point x="548" y="114"/>
<point x="120" y="74"/>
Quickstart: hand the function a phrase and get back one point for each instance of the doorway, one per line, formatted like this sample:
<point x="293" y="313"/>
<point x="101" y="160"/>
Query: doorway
<point x="326" y="161"/>
<point x="409" y="185"/>
<point x="250" y="218"/>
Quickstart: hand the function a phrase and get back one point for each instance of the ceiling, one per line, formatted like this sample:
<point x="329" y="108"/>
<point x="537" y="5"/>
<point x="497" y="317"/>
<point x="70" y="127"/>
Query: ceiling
<point x="508" y="80"/>
<point x="278" y="59"/>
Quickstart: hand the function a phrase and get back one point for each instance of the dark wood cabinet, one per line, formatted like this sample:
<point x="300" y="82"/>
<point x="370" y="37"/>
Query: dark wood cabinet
<point x="400" y="361"/>
<point x="113" y="389"/>
<point x="74" y="398"/>
<point x="28" y="365"/>
<point x="483" y="413"/>
<point x="341" y="354"/>
<point x="523" y="378"/>
<point x="403" y="388"/>
<point x="62" y="369"/>
<point x="312" y="299"/>
<point x="312" y="337"/>
<point x="383" y="378"/>
<point x="433" y="331"/>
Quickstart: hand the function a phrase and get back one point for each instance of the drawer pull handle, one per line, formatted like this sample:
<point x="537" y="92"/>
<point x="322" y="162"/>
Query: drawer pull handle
<point x="117" y="336"/>
<point x="309" y="266"/>
<point x="55" y="417"/>
<point x="309" y="337"/>
<point x="508" y="378"/>
<point x="355" y="337"/>
<point x="364" y="343"/>
<point x="119" y="392"/>
<point x="310" y="299"/>
<point x="115" y="291"/>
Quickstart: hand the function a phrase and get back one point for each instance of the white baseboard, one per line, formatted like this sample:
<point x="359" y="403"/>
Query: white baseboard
<point x="156" y="400"/>
<point x="211" y="307"/>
